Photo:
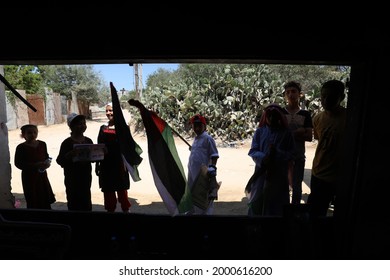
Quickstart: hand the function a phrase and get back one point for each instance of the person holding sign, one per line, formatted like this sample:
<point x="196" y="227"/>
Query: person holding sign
<point x="77" y="171"/>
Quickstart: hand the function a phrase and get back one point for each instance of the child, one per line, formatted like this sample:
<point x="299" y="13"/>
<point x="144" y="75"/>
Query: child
<point x="114" y="178"/>
<point x="272" y="150"/>
<point x="78" y="174"/>
<point x="204" y="152"/>
<point x="300" y="123"/>
<point x="329" y="130"/>
<point x="32" y="158"/>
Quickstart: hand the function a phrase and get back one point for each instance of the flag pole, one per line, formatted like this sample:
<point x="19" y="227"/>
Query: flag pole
<point x="4" y="80"/>
<point x="139" y="105"/>
<point x="185" y="141"/>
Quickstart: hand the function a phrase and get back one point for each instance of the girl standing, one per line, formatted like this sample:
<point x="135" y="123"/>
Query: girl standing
<point x="114" y="178"/>
<point x="272" y="151"/>
<point x="32" y="158"/>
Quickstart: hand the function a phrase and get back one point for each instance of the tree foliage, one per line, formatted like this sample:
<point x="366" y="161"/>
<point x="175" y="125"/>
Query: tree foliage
<point x="80" y="80"/>
<point x="24" y="77"/>
<point x="230" y="96"/>
<point x="161" y="77"/>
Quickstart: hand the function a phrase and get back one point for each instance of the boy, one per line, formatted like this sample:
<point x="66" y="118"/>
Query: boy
<point x="329" y="129"/>
<point x="300" y="124"/>
<point x="77" y="174"/>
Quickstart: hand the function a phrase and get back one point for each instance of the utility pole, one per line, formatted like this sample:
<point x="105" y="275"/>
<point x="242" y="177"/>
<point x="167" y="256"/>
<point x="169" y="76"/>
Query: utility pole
<point x="138" y="80"/>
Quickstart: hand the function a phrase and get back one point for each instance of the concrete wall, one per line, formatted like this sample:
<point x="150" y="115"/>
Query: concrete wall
<point x="7" y="200"/>
<point x="49" y="112"/>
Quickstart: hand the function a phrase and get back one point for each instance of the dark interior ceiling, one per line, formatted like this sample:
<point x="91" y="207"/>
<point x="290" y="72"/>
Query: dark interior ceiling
<point x="161" y="37"/>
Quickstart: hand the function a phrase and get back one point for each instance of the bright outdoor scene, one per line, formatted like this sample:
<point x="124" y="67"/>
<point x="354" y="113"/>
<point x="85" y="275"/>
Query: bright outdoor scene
<point x="230" y="96"/>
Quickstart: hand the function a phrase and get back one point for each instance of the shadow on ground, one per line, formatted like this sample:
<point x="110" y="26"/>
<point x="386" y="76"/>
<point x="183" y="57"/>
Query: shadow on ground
<point x="155" y="208"/>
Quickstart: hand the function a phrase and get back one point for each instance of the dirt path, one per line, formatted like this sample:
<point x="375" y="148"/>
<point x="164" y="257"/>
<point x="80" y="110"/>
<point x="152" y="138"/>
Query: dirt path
<point x="234" y="169"/>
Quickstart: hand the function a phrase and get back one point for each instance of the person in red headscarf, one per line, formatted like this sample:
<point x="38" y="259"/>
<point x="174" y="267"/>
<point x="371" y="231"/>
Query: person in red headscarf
<point x="272" y="150"/>
<point x="204" y="154"/>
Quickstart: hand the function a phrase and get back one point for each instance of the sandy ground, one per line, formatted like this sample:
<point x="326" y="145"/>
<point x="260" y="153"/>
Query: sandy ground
<point x="234" y="169"/>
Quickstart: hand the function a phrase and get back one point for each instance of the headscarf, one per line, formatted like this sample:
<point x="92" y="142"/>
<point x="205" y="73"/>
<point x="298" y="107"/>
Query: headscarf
<point x="198" y="118"/>
<point x="279" y="110"/>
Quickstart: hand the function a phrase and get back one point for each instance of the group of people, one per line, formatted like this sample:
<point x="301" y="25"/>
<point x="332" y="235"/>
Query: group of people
<point x="113" y="176"/>
<point x="32" y="158"/>
<point x="277" y="148"/>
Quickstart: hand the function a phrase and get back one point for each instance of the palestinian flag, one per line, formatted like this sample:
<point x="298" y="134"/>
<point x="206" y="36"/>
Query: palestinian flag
<point x="167" y="169"/>
<point x="130" y="150"/>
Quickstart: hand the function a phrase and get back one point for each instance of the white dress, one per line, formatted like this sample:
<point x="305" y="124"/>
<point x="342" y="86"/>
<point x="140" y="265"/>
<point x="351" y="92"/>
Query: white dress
<point x="202" y="150"/>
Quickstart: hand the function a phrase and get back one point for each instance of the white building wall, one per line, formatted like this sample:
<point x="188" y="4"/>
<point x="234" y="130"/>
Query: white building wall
<point x="7" y="200"/>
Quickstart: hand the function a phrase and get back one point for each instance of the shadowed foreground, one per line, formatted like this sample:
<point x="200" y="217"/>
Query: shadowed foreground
<point x="39" y="234"/>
